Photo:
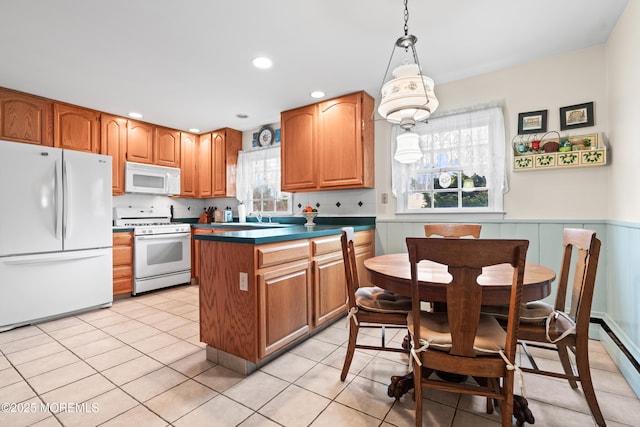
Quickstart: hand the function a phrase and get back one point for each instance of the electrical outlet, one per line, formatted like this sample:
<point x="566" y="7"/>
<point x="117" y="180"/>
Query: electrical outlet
<point x="244" y="282"/>
<point x="385" y="198"/>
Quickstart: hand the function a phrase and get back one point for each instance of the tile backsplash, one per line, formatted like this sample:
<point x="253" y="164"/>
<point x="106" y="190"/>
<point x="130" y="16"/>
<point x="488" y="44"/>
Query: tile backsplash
<point x="331" y="203"/>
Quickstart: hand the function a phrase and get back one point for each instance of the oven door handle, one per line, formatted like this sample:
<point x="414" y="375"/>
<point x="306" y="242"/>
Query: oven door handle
<point x="164" y="236"/>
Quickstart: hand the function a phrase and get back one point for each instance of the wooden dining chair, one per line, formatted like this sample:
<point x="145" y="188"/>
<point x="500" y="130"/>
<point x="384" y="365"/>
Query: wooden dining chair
<point x="369" y="307"/>
<point x="452" y="230"/>
<point x="554" y="328"/>
<point x="461" y="340"/>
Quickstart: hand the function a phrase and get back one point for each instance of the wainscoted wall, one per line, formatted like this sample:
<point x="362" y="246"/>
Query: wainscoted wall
<point x="617" y="293"/>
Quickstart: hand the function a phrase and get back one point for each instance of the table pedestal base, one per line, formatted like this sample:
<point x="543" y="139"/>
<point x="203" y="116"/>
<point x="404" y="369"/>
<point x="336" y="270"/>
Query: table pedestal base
<point x="400" y="385"/>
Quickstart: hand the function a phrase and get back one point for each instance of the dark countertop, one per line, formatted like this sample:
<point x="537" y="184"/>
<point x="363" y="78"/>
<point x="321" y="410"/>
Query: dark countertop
<point x="284" y="232"/>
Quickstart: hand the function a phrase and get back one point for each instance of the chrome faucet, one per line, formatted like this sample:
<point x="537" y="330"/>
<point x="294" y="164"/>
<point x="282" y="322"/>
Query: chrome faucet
<point x="257" y="215"/>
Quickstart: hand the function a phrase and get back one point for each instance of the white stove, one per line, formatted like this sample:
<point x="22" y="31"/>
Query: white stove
<point x="162" y="249"/>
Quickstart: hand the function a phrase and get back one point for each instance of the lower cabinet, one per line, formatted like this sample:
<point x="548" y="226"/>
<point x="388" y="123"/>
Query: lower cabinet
<point x="122" y="263"/>
<point x="257" y="300"/>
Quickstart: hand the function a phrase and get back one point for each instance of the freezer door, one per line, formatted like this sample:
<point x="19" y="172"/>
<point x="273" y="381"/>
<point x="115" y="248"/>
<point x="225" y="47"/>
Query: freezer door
<point x="87" y="200"/>
<point x="31" y="194"/>
<point x="37" y="287"/>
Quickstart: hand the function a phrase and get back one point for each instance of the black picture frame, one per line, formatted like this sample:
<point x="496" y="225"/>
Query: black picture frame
<point x="532" y="122"/>
<point x="577" y="116"/>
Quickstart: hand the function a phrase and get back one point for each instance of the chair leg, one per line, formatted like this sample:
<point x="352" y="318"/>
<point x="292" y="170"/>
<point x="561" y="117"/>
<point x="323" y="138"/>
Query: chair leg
<point x="351" y="349"/>
<point x="506" y="406"/>
<point x="563" y="354"/>
<point x="582" y="364"/>
<point x="417" y="392"/>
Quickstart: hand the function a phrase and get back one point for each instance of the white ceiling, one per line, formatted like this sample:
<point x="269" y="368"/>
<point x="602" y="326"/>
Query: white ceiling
<point x="186" y="63"/>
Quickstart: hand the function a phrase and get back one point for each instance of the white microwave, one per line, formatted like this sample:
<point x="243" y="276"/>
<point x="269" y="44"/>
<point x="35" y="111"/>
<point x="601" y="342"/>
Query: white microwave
<point x="151" y="179"/>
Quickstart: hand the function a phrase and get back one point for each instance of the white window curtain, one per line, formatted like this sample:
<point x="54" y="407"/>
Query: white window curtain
<point x="457" y="139"/>
<point x="255" y="168"/>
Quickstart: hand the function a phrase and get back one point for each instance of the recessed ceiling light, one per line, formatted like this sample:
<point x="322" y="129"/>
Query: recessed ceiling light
<point x="262" y="62"/>
<point x="317" y="94"/>
<point x="194" y="130"/>
<point x="242" y="116"/>
<point x="135" y="115"/>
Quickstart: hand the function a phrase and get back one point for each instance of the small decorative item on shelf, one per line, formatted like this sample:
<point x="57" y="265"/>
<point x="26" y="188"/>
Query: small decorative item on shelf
<point x="551" y="144"/>
<point x="521" y="145"/>
<point x="310" y="213"/>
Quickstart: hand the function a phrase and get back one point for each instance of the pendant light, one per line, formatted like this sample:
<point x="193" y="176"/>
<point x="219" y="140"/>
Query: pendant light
<point x="407" y="98"/>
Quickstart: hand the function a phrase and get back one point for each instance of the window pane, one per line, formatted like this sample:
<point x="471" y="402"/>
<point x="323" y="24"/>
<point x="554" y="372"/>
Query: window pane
<point x="474" y="199"/>
<point x="446" y="200"/>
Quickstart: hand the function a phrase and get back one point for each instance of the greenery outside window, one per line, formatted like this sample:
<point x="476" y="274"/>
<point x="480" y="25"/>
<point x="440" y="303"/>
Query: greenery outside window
<point x="258" y="184"/>
<point x="462" y="168"/>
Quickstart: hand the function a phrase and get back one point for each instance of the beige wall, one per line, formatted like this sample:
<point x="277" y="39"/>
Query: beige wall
<point x="548" y="84"/>
<point x="623" y="69"/>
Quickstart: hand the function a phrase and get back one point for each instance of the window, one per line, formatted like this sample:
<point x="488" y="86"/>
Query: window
<point x="462" y="168"/>
<point x="259" y="181"/>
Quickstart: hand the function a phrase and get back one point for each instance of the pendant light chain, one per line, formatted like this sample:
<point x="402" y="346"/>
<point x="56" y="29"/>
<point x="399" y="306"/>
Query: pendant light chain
<point x="406" y="18"/>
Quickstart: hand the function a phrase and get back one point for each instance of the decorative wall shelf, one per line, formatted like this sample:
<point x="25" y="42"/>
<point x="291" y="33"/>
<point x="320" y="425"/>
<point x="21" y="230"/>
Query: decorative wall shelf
<point x="596" y="155"/>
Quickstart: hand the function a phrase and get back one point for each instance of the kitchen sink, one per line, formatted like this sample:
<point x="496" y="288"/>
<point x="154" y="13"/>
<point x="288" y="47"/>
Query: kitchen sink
<point x="257" y="224"/>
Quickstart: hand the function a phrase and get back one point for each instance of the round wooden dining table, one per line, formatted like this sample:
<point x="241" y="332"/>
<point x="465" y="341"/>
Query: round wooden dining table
<point x="393" y="273"/>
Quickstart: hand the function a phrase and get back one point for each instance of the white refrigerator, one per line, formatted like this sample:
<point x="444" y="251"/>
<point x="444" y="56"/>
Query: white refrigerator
<point x="55" y="233"/>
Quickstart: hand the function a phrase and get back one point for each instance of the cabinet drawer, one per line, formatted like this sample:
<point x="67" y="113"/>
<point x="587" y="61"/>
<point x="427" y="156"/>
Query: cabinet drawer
<point x="122" y="255"/>
<point x="123" y="271"/>
<point x="122" y="286"/>
<point x="364" y="238"/>
<point x="279" y="253"/>
<point x="123" y="239"/>
<point x="326" y="245"/>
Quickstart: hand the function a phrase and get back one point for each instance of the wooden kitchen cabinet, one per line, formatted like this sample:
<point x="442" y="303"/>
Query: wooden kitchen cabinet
<point x="139" y="142"/>
<point x="113" y="136"/>
<point x="328" y="145"/>
<point x="188" y="165"/>
<point x="25" y="118"/>
<point x="122" y="262"/>
<point x="217" y="163"/>
<point x="297" y="154"/>
<point x="205" y="162"/>
<point x="329" y="282"/>
<point x="293" y="288"/>
<point x="76" y="128"/>
<point x="284" y="292"/>
<point x="166" y="147"/>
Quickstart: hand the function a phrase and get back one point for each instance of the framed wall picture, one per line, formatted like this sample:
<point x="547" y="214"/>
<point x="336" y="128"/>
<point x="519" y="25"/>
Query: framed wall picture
<point x="532" y="122"/>
<point x="576" y="116"/>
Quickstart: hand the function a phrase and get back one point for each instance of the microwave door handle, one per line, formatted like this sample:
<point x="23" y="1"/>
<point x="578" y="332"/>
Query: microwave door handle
<point x="57" y="185"/>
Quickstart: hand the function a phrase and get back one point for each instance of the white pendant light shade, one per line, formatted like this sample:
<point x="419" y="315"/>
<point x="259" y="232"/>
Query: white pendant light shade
<point x="408" y="97"/>
<point x="408" y="148"/>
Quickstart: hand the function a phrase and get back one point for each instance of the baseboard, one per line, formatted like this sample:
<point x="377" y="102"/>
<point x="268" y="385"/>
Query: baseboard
<point x="621" y="356"/>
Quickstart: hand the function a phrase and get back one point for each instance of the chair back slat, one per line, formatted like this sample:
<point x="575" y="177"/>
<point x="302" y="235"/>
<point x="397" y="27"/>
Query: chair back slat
<point x="350" y="265"/>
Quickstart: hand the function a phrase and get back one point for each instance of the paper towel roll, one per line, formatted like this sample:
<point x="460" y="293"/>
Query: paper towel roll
<point x="242" y="213"/>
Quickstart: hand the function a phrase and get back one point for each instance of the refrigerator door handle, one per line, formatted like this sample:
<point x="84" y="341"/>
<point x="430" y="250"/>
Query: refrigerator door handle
<point x="58" y="200"/>
<point x="66" y="179"/>
<point x="51" y="258"/>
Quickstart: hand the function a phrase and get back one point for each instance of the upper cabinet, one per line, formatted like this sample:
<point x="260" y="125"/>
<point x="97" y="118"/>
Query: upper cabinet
<point x="205" y="188"/>
<point x="217" y="163"/>
<point x="25" y="118"/>
<point x="329" y="145"/>
<point x="114" y="143"/>
<point x="166" y="147"/>
<point x="188" y="168"/>
<point x="225" y="145"/>
<point x="76" y="128"/>
<point x="139" y="142"/>
<point x="298" y="134"/>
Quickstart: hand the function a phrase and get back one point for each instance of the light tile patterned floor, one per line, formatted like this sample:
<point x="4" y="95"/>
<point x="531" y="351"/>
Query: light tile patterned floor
<point x="140" y="363"/>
